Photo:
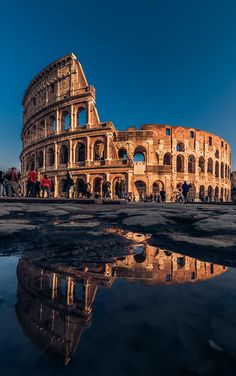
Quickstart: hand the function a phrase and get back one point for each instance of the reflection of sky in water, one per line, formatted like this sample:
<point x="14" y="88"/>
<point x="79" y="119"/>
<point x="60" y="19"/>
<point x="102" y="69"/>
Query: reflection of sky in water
<point x="136" y="329"/>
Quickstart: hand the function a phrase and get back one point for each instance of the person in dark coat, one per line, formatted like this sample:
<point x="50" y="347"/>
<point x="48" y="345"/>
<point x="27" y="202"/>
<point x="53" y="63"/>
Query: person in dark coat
<point x="185" y="190"/>
<point x="68" y="184"/>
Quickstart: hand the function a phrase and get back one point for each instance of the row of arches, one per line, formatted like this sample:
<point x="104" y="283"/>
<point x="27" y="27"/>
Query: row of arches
<point x="50" y="125"/>
<point x="221" y="170"/>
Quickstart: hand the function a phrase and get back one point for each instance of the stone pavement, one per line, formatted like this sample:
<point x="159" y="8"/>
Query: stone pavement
<point x="92" y="229"/>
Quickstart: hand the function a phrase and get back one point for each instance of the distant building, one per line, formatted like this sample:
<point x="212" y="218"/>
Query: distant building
<point x="62" y="132"/>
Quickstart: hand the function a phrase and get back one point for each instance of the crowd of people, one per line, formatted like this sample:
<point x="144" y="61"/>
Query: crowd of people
<point x="44" y="187"/>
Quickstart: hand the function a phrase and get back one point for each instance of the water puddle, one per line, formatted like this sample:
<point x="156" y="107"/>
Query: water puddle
<point x="148" y="312"/>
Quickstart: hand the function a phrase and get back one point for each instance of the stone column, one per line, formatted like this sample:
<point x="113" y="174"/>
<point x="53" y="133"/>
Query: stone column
<point x="108" y="147"/>
<point x="88" y="156"/>
<point x="71" y="153"/>
<point x="55" y="186"/>
<point x="72" y="118"/>
<point x="129" y="178"/>
<point x="45" y="127"/>
<point x="70" y="291"/>
<point x="56" y="156"/>
<point x="58" y="125"/>
<point x="89" y="112"/>
<point x="44" y="159"/>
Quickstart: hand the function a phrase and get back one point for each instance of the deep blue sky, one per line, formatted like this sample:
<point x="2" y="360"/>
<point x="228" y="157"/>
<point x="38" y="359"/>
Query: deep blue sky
<point x="160" y="61"/>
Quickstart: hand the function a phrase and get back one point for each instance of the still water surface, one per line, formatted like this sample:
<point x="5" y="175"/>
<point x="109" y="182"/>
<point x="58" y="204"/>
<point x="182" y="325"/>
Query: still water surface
<point x="155" y="314"/>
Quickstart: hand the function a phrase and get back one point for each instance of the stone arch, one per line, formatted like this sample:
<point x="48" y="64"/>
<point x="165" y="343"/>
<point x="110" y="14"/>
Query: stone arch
<point x="226" y="171"/>
<point x="216" y="169"/>
<point x="140" y="154"/>
<point x="40" y="159"/>
<point x="41" y="129"/>
<point x="50" y="157"/>
<point x="157" y="186"/>
<point x="51" y="124"/>
<point x="80" y="186"/>
<point x="192" y="192"/>
<point x="81" y="117"/>
<point x="65" y="120"/>
<point x="180" y="163"/>
<point x="33" y="133"/>
<point x="210" y="193"/>
<point x="201" y="192"/>
<point x="222" y="193"/>
<point x="80" y="152"/>
<point x="141" y="187"/>
<point x="216" y="193"/>
<point x="210" y="166"/>
<point x="64" y="154"/>
<point x="122" y="153"/>
<point x="97" y="186"/>
<point x="222" y="170"/>
<point x="202" y="164"/>
<point x="167" y="160"/>
<point x="180" y="146"/>
<point x="191" y="164"/>
<point x="99" y="150"/>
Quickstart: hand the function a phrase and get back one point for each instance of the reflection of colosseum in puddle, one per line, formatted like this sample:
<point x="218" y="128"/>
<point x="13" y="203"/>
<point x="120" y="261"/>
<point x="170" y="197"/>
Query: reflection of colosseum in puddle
<point x="54" y="302"/>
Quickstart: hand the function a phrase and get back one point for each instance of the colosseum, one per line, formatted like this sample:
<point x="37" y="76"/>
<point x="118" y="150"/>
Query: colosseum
<point x="62" y="132"/>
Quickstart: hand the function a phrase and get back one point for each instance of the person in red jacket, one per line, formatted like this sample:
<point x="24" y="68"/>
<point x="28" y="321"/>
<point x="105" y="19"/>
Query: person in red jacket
<point x="32" y="178"/>
<point x="46" y="185"/>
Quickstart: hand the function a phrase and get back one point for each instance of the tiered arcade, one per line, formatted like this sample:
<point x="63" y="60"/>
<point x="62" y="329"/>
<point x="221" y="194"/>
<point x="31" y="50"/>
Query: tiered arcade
<point x="62" y="132"/>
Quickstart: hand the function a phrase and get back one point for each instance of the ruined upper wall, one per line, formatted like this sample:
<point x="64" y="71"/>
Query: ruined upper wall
<point x="59" y="81"/>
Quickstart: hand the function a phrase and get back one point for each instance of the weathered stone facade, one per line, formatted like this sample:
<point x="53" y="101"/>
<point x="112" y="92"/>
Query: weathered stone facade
<point x="62" y="132"/>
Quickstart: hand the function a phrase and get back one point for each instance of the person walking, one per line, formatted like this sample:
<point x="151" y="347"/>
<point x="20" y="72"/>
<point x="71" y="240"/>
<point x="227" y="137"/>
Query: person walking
<point x="2" y="184"/>
<point x="68" y="184"/>
<point x="185" y="190"/>
<point x="32" y="179"/>
<point x="13" y="181"/>
<point x="46" y="186"/>
<point x="163" y="195"/>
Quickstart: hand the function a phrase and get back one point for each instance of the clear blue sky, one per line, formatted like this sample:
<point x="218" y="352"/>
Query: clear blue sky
<point x="152" y="61"/>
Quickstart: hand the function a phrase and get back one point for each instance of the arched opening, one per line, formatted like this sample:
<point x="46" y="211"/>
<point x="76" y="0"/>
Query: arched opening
<point x="141" y="187"/>
<point x="180" y="163"/>
<point x="217" y="169"/>
<point x="61" y="187"/>
<point x="51" y="126"/>
<point x="180" y="146"/>
<point x="32" y="162"/>
<point x="210" y="192"/>
<point x="81" y="187"/>
<point x="80" y="153"/>
<point x="202" y="164"/>
<point x="81" y="117"/>
<point x="50" y="157"/>
<point x="140" y="257"/>
<point x="65" y="121"/>
<point x="41" y="129"/>
<point x="99" y="151"/>
<point x="217" y="154"/>
<point x="157" y="187"/>
<point x="210" y="166"/>
<point x="97" y="187"/>
<point x="33" y="133"/>
<point x="122" y="153"/>
<point x="191" y="164"/>
<point x="226" y="171"/>
<point x="40" y="159"/>
<point x="222" y="170"/>
<point x="139" y="154"/>
<point x="64" y="154"/>
<point x="201" y="192"/>
<point x="192" y="193"/>
<point x="222" y="194"/>
<point x="216" y="193"/>
<point x="167" y="160"/>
